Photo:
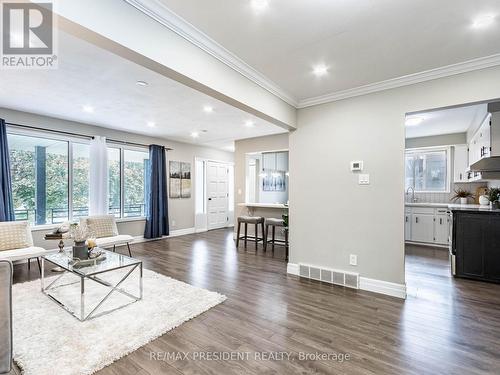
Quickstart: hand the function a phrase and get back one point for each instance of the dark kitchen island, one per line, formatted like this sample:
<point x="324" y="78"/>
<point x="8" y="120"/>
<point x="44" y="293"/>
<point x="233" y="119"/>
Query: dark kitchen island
<point x="476" y="243"/>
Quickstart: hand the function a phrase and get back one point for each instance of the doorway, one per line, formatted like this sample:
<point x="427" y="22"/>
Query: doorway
<point x="214" y="194"/>
<point x="440" y="150"/>
<point x="217" y="195"/>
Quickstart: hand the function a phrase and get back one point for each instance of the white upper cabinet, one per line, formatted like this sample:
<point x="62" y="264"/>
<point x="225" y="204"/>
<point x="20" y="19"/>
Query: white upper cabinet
<point x="480" y="143"/>
<point x="282" y="161"/>
<point x="460" y="163"/>
<point x="269" y="160"/>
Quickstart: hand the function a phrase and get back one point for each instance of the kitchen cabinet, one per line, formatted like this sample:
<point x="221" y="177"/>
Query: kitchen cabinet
<point x="480" y="143"/>
<point x="427" y="225"/>
<point x="476" y="244"/>
<point x="441" y="229"/>
<point x="460" y="163"/>
<point x="408" y="222"/>
<point x="422" y="227"/>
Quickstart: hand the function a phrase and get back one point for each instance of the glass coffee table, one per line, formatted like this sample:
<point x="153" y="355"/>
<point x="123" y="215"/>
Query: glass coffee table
<point x="116" y="268"/>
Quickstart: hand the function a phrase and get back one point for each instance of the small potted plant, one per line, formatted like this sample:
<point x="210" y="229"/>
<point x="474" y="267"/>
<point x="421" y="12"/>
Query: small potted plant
<point x="462" y="195"/>
<point x="493" y="196"/>
<point x="79" y="235"/>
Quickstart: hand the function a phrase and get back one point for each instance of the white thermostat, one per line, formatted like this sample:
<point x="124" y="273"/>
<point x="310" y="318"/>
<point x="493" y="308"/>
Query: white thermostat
<point x="356" y="166"/>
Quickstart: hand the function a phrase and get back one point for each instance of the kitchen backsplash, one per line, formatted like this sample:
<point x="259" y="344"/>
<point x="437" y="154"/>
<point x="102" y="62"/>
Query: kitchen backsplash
<point x="446" y="197"/>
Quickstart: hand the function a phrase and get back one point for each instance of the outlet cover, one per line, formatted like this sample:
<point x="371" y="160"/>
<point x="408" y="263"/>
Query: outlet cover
<point x="353" y="260"/>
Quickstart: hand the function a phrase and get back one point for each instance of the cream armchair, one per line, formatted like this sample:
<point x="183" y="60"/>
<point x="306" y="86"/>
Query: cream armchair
<point x="104" y="228"/>
<point x="16" y="242"/>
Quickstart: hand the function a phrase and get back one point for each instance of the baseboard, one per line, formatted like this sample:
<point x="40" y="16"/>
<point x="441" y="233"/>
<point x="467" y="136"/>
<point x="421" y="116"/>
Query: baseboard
<point x="383" y="287"/>
<point x="292" y="269"/>
<point x="370" y="285"/>
<point x="173" y="233"/>
<point x="427" y="244"/>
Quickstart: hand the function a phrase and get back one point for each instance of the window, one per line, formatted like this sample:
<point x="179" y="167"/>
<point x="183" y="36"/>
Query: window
<point x="39" y="170"/>
<point x="136" y="167"/>
<point x="127" y="171"/>
<point x="81" y="176"/>
<point x="427" y="170"/>
<point x="114" y="181"/>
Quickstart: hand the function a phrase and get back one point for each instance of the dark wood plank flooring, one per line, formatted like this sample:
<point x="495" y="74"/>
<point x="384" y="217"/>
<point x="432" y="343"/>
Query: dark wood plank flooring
<point x="445" y="326"/>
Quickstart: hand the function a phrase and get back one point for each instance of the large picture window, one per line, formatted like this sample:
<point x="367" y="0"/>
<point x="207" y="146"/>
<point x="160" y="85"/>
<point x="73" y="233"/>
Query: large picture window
<point x="427" y="170"/>
<point x="114" y="181"/>
<point x="127" y="170"/>
<point x="50" y="178"/>
<point x="136" y="166"/>
<point x="39" y="170"/>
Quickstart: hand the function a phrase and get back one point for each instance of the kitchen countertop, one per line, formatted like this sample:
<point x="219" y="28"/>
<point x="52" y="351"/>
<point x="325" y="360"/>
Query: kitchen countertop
<point x="452" y="206"/>
<point x="473" y="208"/>
<point x="263" y="205"/>
<point x="423" y="204"/>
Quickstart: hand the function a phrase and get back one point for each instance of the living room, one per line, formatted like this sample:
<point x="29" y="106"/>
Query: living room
<point x="194" y="188"/>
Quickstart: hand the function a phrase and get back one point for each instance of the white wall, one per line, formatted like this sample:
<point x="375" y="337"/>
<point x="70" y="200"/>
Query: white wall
<point x="331" y="216"/>
<point x="437" y="140"/>
<point x="180" y="210"/>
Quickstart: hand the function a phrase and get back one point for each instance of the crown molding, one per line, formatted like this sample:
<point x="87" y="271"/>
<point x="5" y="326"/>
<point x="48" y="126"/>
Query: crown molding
<point x="411" y="79"/>
<point x="160" y="13"/>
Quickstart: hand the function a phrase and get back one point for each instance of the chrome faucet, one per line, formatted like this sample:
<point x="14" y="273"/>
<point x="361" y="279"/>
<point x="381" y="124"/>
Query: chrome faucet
<point x="413" y="199"/>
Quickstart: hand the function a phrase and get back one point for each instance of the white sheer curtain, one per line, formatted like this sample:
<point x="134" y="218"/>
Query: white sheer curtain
<point x="98" y="187"/>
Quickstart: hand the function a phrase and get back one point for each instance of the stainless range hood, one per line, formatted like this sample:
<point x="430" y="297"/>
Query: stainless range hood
<point x="489" y="164"/>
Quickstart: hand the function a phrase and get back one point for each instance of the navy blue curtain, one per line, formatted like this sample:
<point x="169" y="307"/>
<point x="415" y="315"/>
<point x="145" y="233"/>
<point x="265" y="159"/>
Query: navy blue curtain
<point x="6" y="204"/>
<point x="156" y="194"/>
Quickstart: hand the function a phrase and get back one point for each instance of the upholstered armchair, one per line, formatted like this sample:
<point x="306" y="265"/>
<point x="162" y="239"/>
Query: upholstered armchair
<point x="16" y="242"/>
<point x="104" y="228"/>
<point x="5" y="316"/>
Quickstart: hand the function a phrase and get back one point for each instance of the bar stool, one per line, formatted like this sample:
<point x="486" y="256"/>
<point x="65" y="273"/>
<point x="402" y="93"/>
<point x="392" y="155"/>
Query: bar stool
<point x="280" y="223"/>
<point x="256" y="220"/>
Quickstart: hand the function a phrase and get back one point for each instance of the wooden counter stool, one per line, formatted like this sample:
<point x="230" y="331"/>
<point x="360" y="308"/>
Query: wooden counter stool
<point x="280" y="223"/>
<point x="256" y="220"/>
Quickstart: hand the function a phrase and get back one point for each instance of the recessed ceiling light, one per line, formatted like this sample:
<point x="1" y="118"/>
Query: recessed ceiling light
<point x="151" y="124"/>
<point x="88" y="109"/>
<point x="208" y="109"/>
<point x="259" y="5"/>
<point x="249" y="124"/>
<point x="483" y="21"/>
<point x="195" y="134"/>
<point x="320" y="70"/>
<point x="142" y="83"/>
<point x="413" y="121"/>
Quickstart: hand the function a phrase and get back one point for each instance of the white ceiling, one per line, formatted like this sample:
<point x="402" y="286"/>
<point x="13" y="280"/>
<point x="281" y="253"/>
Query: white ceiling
<point x="88" y="75"/>
<point x="362" y="41"/>
<point x="447" y="121"/>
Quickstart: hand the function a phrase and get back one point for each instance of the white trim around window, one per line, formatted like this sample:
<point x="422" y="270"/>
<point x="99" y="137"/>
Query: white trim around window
<point x="449" y="166"/>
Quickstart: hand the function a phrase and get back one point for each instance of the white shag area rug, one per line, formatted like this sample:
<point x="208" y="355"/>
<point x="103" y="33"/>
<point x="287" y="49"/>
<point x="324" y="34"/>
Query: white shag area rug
<point x="48" y="340"/>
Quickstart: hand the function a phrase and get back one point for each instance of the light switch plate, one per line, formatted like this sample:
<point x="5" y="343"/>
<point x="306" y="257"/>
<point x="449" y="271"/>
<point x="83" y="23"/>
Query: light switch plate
<point x="364" y="179"/>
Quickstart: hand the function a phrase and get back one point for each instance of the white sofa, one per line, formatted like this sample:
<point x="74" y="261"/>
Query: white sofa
<point x="16" y="242"/>
<point x="106" y="232"/>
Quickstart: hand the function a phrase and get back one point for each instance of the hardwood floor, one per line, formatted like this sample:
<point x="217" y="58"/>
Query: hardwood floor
<point x="446" y="326"/>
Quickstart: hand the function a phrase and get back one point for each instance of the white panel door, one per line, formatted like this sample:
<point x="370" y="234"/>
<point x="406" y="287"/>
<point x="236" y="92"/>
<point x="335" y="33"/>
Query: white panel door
<point x="217" y="195"/>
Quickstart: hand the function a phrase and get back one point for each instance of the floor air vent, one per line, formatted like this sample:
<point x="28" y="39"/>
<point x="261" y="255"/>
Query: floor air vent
<point x="337" y="277"/>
